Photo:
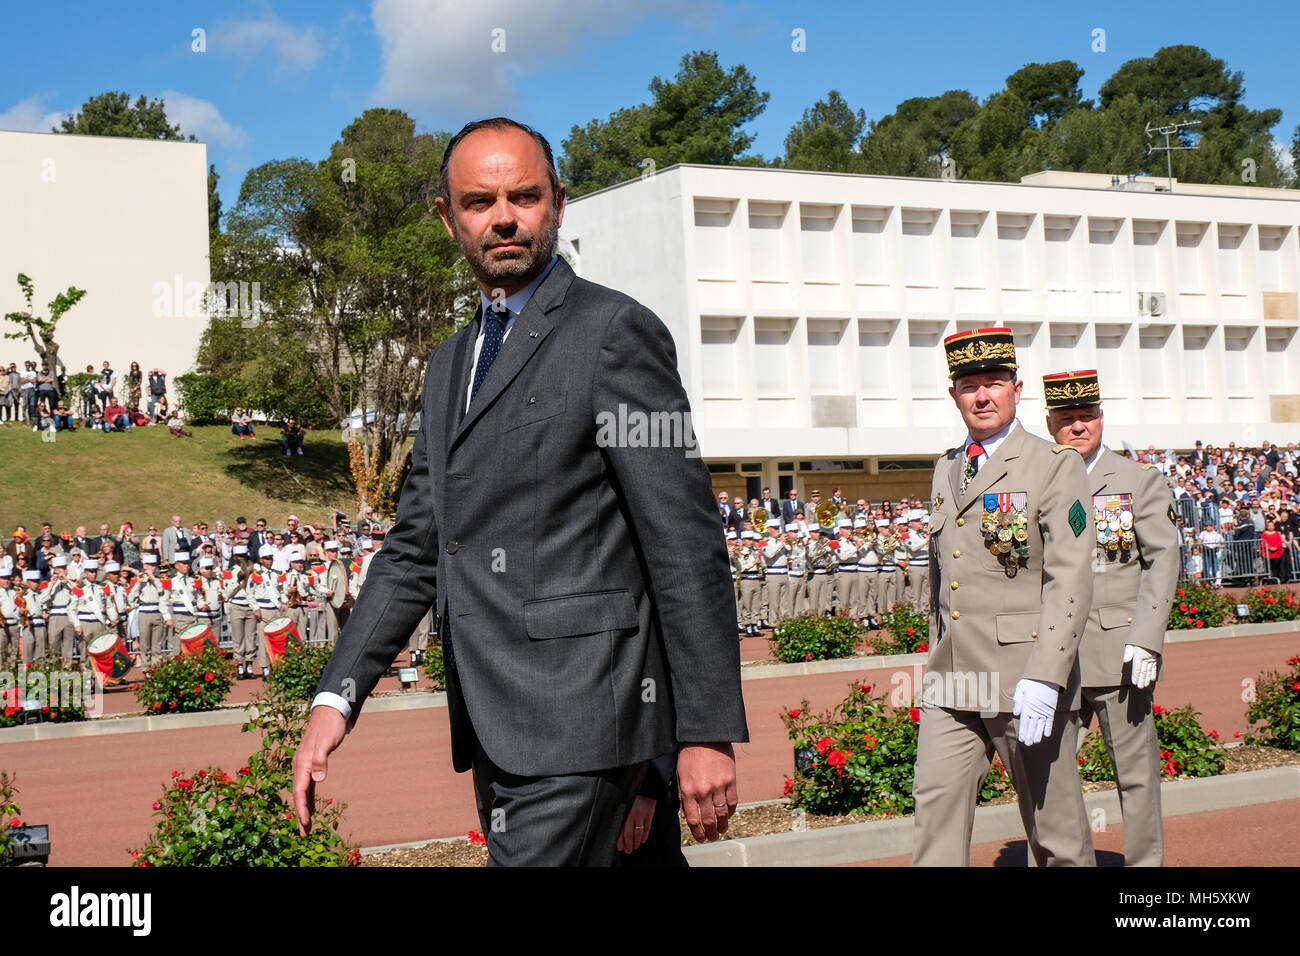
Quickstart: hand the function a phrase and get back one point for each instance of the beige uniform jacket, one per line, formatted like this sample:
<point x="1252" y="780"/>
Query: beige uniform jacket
<point x="1003" y="618"/>
<point x="1132" y="588"/>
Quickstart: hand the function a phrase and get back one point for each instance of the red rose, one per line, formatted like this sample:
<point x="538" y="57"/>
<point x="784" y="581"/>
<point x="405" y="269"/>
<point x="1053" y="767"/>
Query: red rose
<point x="175" y="774"/>
<point x="824" y="745"/>
<point x="1166" y="754"/>
<point x="208" y="676"/>
<point x="157" y="706"/>
<point x="836" y="758"/>
<point x="1237" y="734"/>
<point x="789" y="785"/>
<point x="923" y="646"/>
<point x="185" y="784"/>
<point x="1191" y="611"/>
<point x="45" y="709"/>
<point x="354" y="857"/>
<point x="157" y="805"/>
<point x="1200" y="624"/>
<point x="244" y="771"/>
<point x="476" y="837"/>
<point x="197" y="688"/>
<point x="203" y="773"/>
<point x="911" y="631"/>
<point x="871" y="743"/>
<point x="1183" y="608"/>
<point x="1081" y="761"/>
<point x="1181" y="592"/>
<point x="1157" y="709"/>
<point x="1189" y="622"/>
<point x="794" y="713"/>
<point x="1292" y="662"/>
<point x="1296" y="685"/>
<point x="1214" y="735"/>
<point x="865" y="688"/>
<point x="915" y="714"/>
<point x="172" y="705"/>
<point x="807" y="657"/>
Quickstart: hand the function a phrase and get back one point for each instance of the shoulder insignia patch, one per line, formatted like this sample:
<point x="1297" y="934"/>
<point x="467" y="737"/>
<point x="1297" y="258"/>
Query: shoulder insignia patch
<point x="1060" y="448"/>
<point x="1173" y="515"/>
<point x="1147" y="466"/>
<point x="1078" y="519"/>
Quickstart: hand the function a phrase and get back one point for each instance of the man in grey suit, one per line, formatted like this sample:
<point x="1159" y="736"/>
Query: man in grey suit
<point x="1136" y="573"/>
<point x="1010" y="589"/>
<point x="568" y="668"/>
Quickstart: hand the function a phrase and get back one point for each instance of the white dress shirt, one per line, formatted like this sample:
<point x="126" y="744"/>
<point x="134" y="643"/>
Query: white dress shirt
<point x="514" y="304"/>
<point x="990" y="444"/>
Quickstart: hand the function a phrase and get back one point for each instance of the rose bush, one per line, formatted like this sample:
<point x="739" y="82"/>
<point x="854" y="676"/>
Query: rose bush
<point x="1276" y="708"/>
<point x="810" y="638"/>
<point x="1186" y="750"/>
<point x="187" y="683"/>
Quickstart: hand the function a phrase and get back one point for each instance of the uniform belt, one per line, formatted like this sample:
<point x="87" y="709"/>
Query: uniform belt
<point x="794" y="574"/>
<point x="88" y="619"/>
<point x="868" y="568"/>
<point x="850" y="568"/>
<point x="820" y="571"/>
<point x="59" y="613"/>
<point x="749" y="575"/>
<point x="239" y="601"/>
<point x="11" y="620"/>
<point x="148" y="607"/>
<point x="266" y="604"/>
<point x="888" y="567"/>
<point x="208" y="615"/>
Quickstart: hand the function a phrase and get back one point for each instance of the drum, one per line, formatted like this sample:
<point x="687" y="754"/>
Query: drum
<point x="337" y="580"/>
<point x="279" y="631"/>
<point x="195" y="636"/>
<point x="110" y="656"/>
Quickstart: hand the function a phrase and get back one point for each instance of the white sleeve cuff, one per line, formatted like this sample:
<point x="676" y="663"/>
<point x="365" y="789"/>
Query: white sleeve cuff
<point x="335" y="701"/>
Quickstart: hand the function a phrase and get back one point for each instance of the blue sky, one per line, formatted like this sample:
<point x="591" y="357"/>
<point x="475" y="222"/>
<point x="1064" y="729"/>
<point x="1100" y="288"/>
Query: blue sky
<point x="281" y="79"/>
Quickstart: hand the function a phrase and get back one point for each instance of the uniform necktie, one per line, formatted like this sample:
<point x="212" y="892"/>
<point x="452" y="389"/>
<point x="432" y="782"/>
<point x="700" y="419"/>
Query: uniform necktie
<point x="494" y="332"/>
<point x="973" y="452"/>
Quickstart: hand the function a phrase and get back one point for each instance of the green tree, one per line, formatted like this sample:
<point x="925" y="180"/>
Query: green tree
<point x="697" y="117"/>
<point x="826" y="138"/>
<point x="1050" y="90"/>
<point x="911" y="140"/>
<point x="41" y="330"/>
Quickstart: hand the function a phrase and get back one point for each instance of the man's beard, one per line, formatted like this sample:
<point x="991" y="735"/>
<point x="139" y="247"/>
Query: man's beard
<point x="524" y="265"/>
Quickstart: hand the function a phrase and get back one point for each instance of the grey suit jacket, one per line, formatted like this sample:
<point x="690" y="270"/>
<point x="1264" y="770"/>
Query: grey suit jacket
<point x="580" y="575"/>
<point x="999" y="620"/>
<point x="1133" y="589"/>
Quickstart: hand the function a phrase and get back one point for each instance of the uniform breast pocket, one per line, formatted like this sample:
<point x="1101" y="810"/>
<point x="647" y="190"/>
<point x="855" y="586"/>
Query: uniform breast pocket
<point x="534" y="407"/>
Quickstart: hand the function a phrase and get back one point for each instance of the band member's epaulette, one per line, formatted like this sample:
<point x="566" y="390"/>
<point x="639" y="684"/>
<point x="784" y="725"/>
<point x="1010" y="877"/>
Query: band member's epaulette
<point x="1060" y="448"/>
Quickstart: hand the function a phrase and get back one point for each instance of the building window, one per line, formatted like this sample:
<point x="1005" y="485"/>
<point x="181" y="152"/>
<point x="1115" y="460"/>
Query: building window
<point x="1195" y="340"/>
<point x="721" y="467"/>
<point x="1271" y="239"/>
<point x="1146" y="261"/>
<point x="1229" y="272"/>
<point x="1277" y="343"/>
<point x="718" y="335"/>
<point x="874" y="339"/>
<point x="1101" y="251"/>
<point x="817" y="238"/>
<point x="918" y="246"/>
<point x="824" y="337"/>
<point x="925" y="357"/>
<point x="1109" y="341"/>
<point x="964" y="250"/>
<point x="1236" y="361"/>
<point x="766" y="252"/>
<point x="1151" y="359"/>
<point x="772" y="355"/>
<point x="1063" y="344"/>
<point x="1013" y="229"/>
<point x="1057" y="232"/>
<point x="713" y="236"/>
<point x="869" y="262"/>
<point x="1187" y="236"/>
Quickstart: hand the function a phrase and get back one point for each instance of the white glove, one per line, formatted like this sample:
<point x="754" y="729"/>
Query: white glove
<point x="1145" y="665"/>
<point x="1035" y="704"/>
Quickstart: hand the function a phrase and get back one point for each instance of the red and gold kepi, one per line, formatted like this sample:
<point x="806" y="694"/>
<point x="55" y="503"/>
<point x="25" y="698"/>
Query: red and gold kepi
<point x="980" y="350"/>
<point x="1071" y="389"/>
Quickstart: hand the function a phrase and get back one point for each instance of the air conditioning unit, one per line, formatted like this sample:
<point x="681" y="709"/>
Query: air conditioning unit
<point x="1151" y="303"/>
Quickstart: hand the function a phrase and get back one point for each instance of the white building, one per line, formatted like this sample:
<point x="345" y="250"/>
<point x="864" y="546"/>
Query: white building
<point x="124" y="219"/>
<point x="809" y="309"/>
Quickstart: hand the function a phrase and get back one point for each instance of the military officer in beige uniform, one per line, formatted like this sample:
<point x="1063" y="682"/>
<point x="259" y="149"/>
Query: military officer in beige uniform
<point x="1135" y="567"/>
<point x="1011" y="587"/>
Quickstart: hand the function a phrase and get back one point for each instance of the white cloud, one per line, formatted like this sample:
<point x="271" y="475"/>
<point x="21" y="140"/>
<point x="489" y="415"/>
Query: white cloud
<point x="291" y="48"/>
<point x="201" y="118"/>
<point x="30" y="116"/>
<point x="1283" y="154"/>
<point x="439" y="52"/>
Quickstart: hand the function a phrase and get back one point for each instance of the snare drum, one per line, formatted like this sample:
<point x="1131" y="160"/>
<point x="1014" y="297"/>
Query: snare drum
<point x="279" y="631"/>
<point x="110" y="656"/>
<point x="195" y="636"/>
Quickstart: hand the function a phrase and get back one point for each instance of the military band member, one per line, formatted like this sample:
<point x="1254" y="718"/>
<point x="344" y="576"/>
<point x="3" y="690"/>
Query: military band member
<point x="266" y="598"/>
<point x="34" y="597"/>
<point x="208" y="596"/>
<point x="1135" y="574"/>
<point x="326" y="621"/>
<point x="152" y="603"/>
<point x="821" y="562"/>
<point x="93" y="616"/>
<point x="297" y="590"/>
<point x="750" y="561"/>
<point x="114" y="598"/>
<point x="776" y="582"/>
<point x="61" y="611"/>
<point x="237" y="596"/>
<point x="796" y="563"/>
<point x="869" y="575"/>
<point x="10" y="626"/>
<point x="848" y="580"/>
<point x="1011" y="588"/>
<point x="184" y="601"/>
<point x="733" y="559"/>
<point x="887" y="591"/>
<point x="917" y="547"/>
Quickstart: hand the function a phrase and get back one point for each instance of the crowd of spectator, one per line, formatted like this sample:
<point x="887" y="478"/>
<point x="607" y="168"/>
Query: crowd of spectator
<point x="107" y="402"/>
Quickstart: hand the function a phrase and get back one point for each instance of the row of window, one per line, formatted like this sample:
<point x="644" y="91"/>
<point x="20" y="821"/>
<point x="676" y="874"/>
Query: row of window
<point x="881" y="345"/>
<point x="1158" y="254"/>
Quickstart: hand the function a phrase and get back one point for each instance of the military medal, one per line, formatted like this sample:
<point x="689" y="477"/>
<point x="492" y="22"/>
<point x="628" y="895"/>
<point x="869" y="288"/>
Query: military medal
<point x="1114" y="517"/>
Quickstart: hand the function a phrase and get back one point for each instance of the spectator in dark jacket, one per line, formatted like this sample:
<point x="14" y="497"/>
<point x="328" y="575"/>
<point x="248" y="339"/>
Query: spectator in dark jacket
<point x="157" y="387"/>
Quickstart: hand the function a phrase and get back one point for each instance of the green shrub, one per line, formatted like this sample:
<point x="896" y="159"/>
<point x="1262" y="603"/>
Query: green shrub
<point x="1200" y="606"/>
<point x="187" y="683"/>
<point x="296" y="674"/>
<point x="62" y="692"/>
<point x="9" y="814"/>
<point x="811" y="638"/>
<point x="211" y="818"/>
<point x="1186" y="750"/>
<point x="434" y="669"/>
<point x="863" y="757"/>
<point x="1276" y="708"/>
<point x="209" y="399"/>
<point x="909" y="628"/>
<point x="1268" y="605"/>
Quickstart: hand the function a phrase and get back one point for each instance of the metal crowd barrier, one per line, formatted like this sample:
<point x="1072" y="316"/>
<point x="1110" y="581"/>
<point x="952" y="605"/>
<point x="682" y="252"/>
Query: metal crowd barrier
<point x="1238" y="564"/>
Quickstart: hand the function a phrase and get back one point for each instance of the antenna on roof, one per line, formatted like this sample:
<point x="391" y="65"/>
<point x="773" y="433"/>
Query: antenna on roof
<point x="1167" y="131"/>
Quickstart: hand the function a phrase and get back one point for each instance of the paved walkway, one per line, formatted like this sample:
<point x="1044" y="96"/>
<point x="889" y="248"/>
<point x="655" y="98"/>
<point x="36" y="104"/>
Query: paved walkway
<point x="395" y="768"/>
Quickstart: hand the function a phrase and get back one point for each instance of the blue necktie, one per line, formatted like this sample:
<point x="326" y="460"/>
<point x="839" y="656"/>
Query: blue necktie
<point x="495" y="330"/>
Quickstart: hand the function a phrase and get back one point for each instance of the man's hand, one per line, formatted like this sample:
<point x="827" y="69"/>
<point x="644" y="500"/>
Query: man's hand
<point x="324" y="733"/>
<point x="637" y="826"/>
<point x="1035" y="704"/>
<point x="706" y="786"/>
<point x="1145" y="665"/>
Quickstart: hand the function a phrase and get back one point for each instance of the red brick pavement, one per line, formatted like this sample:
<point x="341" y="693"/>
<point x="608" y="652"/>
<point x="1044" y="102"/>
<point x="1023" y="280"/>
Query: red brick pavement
<point x="395" y="768"/>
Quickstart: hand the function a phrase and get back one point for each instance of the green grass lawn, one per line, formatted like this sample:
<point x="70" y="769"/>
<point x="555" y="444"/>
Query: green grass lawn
<point x="145" y="475"/>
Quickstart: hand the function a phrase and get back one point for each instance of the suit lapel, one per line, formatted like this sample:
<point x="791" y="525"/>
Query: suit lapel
<point x="459" y="378"/>
<point x="995" y="469"/>
<point x="955" y="466"/>
<point x="531" y="328"/>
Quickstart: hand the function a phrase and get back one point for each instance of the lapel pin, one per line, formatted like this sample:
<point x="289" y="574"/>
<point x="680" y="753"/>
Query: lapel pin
<point x="532" y="399"/>
<point x="532" y="334"/>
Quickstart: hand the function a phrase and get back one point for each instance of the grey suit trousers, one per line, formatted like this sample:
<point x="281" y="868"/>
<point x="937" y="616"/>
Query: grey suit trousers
<point x="1129" y="730"/>
<point x="952" y="758"/>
